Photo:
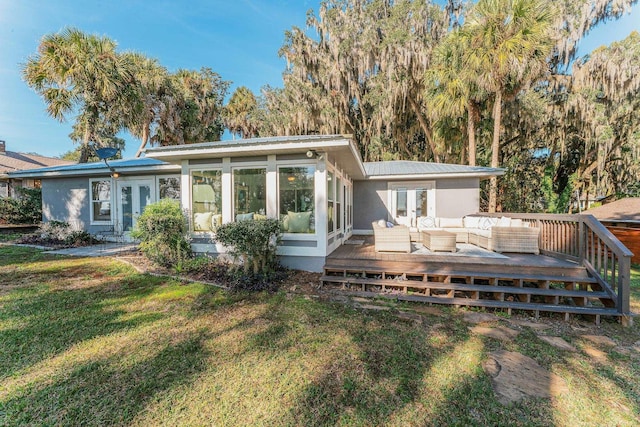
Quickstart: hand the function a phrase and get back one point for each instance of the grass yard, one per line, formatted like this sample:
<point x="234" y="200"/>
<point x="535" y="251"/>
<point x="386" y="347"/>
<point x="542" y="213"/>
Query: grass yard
<point x="92" y="342"/>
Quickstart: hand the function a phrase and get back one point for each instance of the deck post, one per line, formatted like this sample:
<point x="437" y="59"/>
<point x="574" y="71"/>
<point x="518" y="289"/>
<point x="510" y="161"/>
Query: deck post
<point x="624" y="288"/>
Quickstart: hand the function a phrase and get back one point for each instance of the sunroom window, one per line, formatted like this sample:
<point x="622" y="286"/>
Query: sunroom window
<point x="249" y="193"/>
<point x="206" y="199"/>
<point x="297" y="205"/>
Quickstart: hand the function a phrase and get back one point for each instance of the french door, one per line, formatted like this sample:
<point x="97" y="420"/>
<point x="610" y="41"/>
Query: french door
<point x="132" y="197"/>
<point x="408" y="201"/>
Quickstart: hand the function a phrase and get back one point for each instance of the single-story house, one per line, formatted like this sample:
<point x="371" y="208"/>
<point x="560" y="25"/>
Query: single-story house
<point x="622" y="218"/>
<point x="318" y="185"/>
<point x="12" y="161"/>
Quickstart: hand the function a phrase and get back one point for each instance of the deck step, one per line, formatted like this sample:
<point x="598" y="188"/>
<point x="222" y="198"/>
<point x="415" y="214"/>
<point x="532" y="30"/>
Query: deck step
<point x="596" y="311"/>
<point x="529" y="276"/>
<point x="415" y="284"/>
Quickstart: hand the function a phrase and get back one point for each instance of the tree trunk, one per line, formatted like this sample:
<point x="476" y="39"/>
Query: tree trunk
<point x="425" y="128"/>
<point x="471" y="131"/>
<point x="84" y="149"/>
<point x="145" y="139"/>
<point x="495" y="151"/>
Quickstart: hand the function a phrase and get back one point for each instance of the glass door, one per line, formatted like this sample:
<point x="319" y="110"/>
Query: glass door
<point x="412" y="200"/>
<point x="133" y="197"/>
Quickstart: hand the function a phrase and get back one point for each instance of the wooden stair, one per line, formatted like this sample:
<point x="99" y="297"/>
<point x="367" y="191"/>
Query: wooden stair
<point x="568" y="290"/>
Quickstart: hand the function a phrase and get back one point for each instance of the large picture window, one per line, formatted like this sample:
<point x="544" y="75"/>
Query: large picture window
<point x="101" y="201"/>
<point x="206" y="199"/>
<point x="296" y="198"/>
<point x="249" y="193"/>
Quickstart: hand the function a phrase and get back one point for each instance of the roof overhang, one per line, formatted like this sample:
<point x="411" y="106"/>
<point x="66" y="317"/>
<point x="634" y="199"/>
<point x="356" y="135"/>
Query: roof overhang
<point x="431" y="176"/>
<point x="101" y="171"/>
<point x="338" y="148"/>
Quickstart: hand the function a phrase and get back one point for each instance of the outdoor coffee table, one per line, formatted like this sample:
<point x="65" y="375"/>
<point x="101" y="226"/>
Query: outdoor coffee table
<point x="439" y="240"/>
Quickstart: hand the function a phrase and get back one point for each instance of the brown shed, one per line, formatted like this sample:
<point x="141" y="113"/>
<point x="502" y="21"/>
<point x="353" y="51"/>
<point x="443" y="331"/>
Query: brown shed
<point x="622" y="218"/>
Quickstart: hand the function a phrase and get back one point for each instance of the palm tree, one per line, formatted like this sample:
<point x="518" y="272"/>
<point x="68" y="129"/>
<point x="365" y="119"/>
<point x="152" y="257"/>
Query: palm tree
<point x="150" y="89"/>
<point x="239" y="113"/>
<point x="76" y="72"/>
<point x="451" y="88"/>
<point x="509" y="42"/>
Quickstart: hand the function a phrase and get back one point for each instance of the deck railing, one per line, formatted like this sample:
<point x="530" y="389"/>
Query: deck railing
<point x="583" y="239"/>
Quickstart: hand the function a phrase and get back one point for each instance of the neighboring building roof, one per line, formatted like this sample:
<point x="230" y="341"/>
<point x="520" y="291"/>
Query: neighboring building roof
<point x="622" y="210"/>
<point x="11" y="161"/>
<point x="404" y="168"/>
<point x="98" y="168"/>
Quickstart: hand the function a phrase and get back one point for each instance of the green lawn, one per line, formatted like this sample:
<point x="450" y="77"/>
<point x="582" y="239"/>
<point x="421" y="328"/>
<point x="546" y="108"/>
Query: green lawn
<point x="90" y="341"/>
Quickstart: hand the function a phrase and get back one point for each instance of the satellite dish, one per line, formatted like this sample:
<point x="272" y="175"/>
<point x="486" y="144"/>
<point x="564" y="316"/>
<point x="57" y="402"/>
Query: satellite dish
<point x="106" y="152"/>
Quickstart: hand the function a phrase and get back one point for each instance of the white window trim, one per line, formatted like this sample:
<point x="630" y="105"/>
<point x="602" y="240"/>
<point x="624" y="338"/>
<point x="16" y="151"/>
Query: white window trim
<point x="298" y="164"/>
<point x="200" y="168"/>
<point x="159" y="177"/>
<point x="112" y="200"/>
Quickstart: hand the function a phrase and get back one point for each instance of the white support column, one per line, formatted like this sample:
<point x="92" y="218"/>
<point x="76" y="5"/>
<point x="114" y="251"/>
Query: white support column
<point x="272" y="187"/>
<point x="185" y="187"/>
<point x="227" y="191"/>
<point x="320" y="179"/>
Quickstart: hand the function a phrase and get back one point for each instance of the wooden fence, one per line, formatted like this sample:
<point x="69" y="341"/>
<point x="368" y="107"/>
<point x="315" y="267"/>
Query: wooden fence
<point x="583" y="239"/>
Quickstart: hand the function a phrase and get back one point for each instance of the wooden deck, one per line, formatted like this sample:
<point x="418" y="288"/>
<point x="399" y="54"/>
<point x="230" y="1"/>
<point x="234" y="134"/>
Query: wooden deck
<point x="512" y="281"/>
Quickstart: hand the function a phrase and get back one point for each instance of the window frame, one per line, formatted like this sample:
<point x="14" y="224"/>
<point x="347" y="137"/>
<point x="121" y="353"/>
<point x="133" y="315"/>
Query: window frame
<point x="314" y="211"/>
<point x="159" y="177"/>
<point x="111" y="201"/>
<point x="190" y="208"/>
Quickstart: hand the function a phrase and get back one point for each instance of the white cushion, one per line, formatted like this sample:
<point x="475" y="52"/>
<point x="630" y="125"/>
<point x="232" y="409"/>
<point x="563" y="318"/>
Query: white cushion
<point x="487" y="222"/>
<point x="451" y="223"/>
<point x="202" y="221"/>
<point x="382" y="223"/>
<point x="504" y="221"/>
<point x="516" y="222"/>
<point x="471" y="222"/>
<point x="426" y="222"/>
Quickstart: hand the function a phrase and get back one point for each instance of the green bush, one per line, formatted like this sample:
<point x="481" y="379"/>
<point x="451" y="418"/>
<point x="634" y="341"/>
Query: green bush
<point x="163" y="232"/>
<point x="26" y="208"/>
<point x="254" y="242"/>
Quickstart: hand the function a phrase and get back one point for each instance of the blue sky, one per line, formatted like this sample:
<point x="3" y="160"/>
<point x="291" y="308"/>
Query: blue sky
<point x="239" y="39"/>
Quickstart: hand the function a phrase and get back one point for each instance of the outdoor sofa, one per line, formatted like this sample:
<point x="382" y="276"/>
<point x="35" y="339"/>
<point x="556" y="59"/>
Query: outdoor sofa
<point x="495" y="234"/>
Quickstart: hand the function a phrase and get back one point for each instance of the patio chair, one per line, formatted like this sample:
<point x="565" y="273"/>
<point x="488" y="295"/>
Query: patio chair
<point x="394" y="239"/>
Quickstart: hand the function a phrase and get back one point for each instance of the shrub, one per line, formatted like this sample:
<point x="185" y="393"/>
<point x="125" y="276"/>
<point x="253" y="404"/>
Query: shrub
<point x="252" y="241"/>
<point x="58" y="233"/>
<point x="24" y="209"/>
<point x="163" y="232"/>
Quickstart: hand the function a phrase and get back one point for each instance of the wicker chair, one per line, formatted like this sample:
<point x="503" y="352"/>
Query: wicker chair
<point x="394" y="239"/>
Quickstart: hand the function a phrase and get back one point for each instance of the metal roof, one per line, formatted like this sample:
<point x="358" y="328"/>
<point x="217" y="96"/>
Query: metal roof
<point x="271" y="140"/>
<point x="96" y="168"/>
<point x="406" y="168"/>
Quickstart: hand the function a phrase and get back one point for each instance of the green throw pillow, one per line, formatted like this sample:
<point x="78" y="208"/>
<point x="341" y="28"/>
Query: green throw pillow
<point x="244" y="217"/>
<point x="299" y="222"/>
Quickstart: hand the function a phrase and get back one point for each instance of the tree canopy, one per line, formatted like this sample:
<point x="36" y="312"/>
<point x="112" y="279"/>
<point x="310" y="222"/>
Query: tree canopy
<point x="108" y="91"/>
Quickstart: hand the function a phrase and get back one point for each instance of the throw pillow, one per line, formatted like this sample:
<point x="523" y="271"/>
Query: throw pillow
<point x="471" y="222"/>
<point x="389" y="224"/>
<point x="259" y="217"/>
<point x="516" y="223"/>
<point x="504" y="221"/>
<point x="216" y="221"/>
<point x="487" y="222"/>
<point x="244" y="217"/>
<point x="382" y="223"/>
<point x="299" y="222"/>
<point x="426" y="222"/>
<point x="202" y="221"/>
<point x="285" y="222"/>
